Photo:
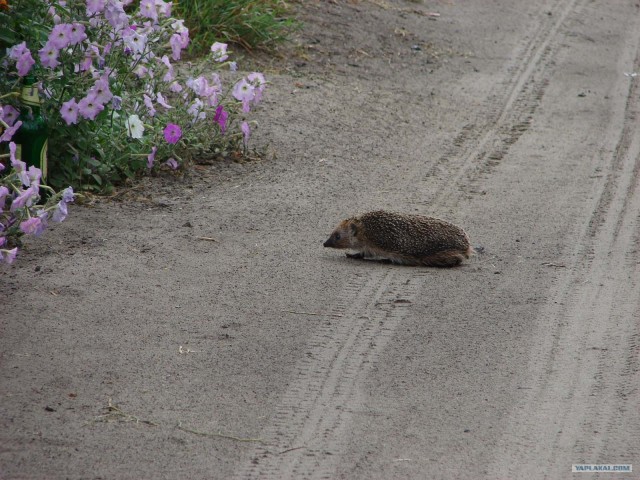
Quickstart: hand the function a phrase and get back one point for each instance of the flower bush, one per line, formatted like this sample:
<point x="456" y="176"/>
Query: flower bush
<point x="116" y="100"/>
<point x="20" y="211"/>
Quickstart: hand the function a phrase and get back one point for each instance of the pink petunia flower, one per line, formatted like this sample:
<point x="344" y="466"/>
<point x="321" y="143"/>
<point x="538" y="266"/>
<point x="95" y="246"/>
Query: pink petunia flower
<point x="49" y="56"/>
<point x="100" y="90"/>
<point x="149" y="104"/>
<point x="171" y="163"/>
<point x="4" y="192"/>
<point x="170" y="75"/>
<point x="60" y="212"/>
<point x="172" y="133"/>
<point x="69" y="111"/>
<point x="219" y="51"/>
<point x="33" y="226"/>
<point x="135" y="41"/>
<point x="17" y="51"/>
<point x="24" y="63"/>
<point x="25" y="199"/>
<point x="94" y="6"/>
<point x="160" y="99"/>
<point x="259" y="83"/>
<point x="10" y="132"/>
<point x="60" y="36"/>
<point x="8" y="256"/>
<point x="176" y="46"/>
<point x="151" y="157"/>
<point x="245" y="92"/>
<point x="221" y="118"/>
<point x="89" y="108"/>
<point x="77" y="34"/>
<point x="12" y="153"/>
<point x="148" y="9"/>
<point x="9" y="115"/>
<point x="115" y="14"/>
<point x="246" y="131"/>
<point x="164" y="8"/>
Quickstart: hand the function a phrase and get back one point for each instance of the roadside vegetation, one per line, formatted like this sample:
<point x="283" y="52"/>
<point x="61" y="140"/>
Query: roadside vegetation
<point x="114" y="101"/>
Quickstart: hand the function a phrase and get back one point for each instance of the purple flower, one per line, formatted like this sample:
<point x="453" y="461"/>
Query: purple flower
<point x="160" y="99"/>
<point x="196" y="110"/>
<point x="89" y="108"/>
<point x="60" y="36"/>
<point x="24" y="63"/>
<point x="76" y="33"/>
<point x="25" y="199"/>
<point x="175" y="87"/>
<point x="221" y="118"/>
<point x="100" y="90"/>
<point x="172" y="164"/>
<point x="135" y="41"/>
<point x="178" y="41"/>
<point x="116" y="102"/>
<point x="9" y="255"/>
<point x="246" y="131"/>
<point x="141" y="71"/>
<point x="148" y="9"/>
<point x="4" y="191"/>
<point x="60" y="212"/>
<point x="9" y="114"/>
<point x="94" y="6"/>
<point x="68" y="195"/>
<point x="69" y="111"/>
<point x="33" y="226"/>
<point x="12" y="154"/>
<point x="49" y="56"/>
<point x="164" y="8"/>
<point x="172" y="133"/>
<point x="17" y="51"/>
<point x="149" y="104"/>
<point x="115" y="15"/>
<point x="169" y="76"/>
<point x="219" y="51"/>
<point x="19" y="166"/>
<point x="245" y="92"/>
<point x="259" y="83"/>
<point x="9" y="132"/>
<point x="151" y="157"/>
<point x="34" y="174"/>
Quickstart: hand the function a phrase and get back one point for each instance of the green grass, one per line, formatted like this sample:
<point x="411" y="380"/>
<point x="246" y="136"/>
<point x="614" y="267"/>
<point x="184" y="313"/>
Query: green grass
<point x="250" y="23"/>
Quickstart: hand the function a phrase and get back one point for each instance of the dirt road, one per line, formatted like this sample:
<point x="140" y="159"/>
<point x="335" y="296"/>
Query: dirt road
<point x="132" y="348"/>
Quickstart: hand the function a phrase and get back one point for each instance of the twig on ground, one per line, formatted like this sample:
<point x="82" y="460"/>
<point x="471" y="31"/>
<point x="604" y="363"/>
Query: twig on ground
<point x="314" y="313"/>
<point x="114" y="412"/>
<point x="220" y="435"/>
<point x="290" y="450"/>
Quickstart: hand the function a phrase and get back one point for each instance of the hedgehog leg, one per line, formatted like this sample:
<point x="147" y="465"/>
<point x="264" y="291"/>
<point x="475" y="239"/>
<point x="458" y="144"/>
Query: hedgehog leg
<point x="449" y="258"/>
<point x="357" y="256"/>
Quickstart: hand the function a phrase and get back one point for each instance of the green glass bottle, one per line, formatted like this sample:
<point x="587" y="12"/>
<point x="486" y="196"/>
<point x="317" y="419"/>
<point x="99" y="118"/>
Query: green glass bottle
<point x="31" y="139"/>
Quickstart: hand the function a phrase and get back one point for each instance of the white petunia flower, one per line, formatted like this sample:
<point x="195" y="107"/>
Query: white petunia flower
<point x="135" y="128"/>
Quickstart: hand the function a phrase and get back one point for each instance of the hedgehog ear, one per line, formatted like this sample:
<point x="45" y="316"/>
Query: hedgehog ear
<point x="354" y="229"/>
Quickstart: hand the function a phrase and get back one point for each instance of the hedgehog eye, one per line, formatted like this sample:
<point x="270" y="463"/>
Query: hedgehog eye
<point x="337" y="236"/>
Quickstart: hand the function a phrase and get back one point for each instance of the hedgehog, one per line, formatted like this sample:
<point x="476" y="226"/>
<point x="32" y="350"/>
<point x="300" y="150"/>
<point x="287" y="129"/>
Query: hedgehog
<point x="402" y="239"/>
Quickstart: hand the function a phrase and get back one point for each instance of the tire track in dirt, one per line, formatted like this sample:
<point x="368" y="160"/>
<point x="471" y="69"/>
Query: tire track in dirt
<point x="309" y="429"/>
<point x="507" y="114"/>
<point x="590" y="363"/>
<point x="312" y="419"/>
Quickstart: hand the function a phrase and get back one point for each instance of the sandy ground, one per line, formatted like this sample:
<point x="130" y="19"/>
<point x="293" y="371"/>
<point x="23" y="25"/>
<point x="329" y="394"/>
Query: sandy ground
<point x="132" y="349"/>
